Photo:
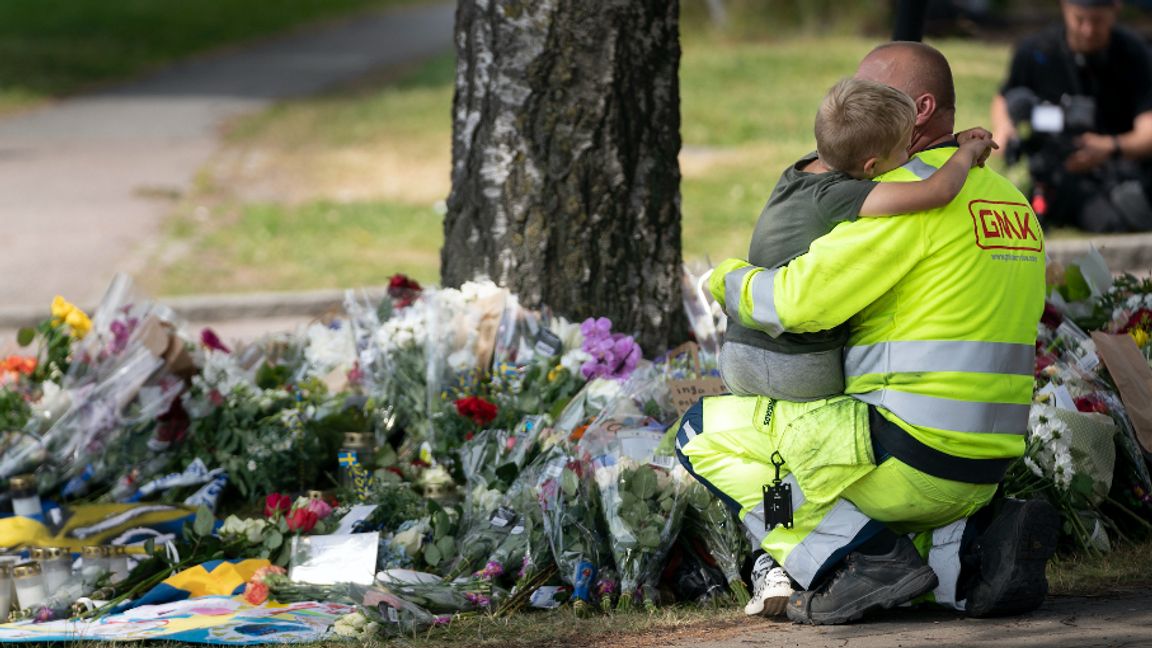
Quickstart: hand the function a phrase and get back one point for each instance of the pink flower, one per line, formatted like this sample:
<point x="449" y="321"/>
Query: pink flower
<point x="321" y="508"/>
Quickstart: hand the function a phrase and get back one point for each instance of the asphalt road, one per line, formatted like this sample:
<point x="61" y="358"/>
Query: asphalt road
<point x="80" y="178"/>
<point x="1119" y="619"/>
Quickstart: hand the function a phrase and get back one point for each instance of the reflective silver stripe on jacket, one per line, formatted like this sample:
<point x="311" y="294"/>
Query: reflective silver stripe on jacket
<point x="733" y="283"/>
<point x="838" y="528"/>
<point x="950" y="414"/>
<point x="919" y="168"/>
<point x="754" y="519"/>
<point x="944" y="559"/>
<point x="761" y="293"/>
<point x="910" y="356"/>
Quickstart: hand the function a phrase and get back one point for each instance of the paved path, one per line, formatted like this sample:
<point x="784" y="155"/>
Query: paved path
<point x="76" y="176"/>
<point x="1112" y="621"/>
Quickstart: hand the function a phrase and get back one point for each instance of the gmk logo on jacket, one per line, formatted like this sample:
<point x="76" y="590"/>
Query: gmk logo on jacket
<point x="1005" y="225"/>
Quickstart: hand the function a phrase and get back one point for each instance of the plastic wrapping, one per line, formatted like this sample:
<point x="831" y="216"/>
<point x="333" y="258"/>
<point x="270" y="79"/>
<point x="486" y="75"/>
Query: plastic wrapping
<point x="573" y="523"/>
<point x="643" y="495"/>
<point x="723" y="535"/>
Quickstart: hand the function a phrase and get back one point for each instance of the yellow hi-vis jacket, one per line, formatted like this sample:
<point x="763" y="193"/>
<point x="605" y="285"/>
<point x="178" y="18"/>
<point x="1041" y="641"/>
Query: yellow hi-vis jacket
<point x="943" y="308"/>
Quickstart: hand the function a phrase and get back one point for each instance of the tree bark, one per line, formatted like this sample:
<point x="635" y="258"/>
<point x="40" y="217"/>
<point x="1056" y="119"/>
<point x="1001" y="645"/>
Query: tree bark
<point x="565" y="179"/>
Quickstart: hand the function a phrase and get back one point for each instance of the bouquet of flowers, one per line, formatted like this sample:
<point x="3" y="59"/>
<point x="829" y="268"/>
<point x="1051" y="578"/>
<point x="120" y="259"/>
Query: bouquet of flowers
<point x="572" y="522"/>
<point x="722" y="534"/>
<point x="643" y="499"/>
<point x="459" y="595"/>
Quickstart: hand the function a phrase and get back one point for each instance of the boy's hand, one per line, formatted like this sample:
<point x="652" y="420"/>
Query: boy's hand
<point x="978" y="143"/>
<point x="716" y="281"/>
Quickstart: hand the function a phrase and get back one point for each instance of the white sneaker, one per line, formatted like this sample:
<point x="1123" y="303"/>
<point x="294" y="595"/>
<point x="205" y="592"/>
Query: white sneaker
<point x="771" y="588"/>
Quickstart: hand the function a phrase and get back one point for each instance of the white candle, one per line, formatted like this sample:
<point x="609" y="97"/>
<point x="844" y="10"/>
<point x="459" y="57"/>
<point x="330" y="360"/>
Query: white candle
<point x="29" y="585"/>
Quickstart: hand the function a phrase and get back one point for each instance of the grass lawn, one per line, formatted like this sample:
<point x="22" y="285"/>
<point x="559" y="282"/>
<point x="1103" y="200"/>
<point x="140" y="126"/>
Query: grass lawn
<point x="50" y="48"/>
<point x="347" y="188"/>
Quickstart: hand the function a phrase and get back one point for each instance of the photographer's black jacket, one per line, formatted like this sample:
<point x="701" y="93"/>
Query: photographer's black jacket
<point x="1120" y="77"/>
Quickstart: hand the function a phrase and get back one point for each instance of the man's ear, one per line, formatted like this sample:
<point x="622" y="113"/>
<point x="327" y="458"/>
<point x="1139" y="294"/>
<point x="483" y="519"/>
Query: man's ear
<point x="870" y="167"/>
<point x="925" y="108"/>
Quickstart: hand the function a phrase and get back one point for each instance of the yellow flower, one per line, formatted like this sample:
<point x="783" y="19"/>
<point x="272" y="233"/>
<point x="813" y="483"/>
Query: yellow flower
<point x="61" y="308"/>
<point x="78" y="322"/>
<point x="1140" y="336"/>
<point x="555" y="373"/>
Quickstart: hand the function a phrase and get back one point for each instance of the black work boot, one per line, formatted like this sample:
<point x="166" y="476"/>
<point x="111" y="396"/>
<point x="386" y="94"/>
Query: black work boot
<point x="1011" y="555"/>
<point x="863" y="583"/>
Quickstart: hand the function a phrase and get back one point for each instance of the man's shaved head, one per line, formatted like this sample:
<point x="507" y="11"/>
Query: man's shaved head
<point x="919" y="71"/>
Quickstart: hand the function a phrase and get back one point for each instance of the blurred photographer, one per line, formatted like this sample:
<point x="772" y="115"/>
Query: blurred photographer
<point x="1078" y="104"/>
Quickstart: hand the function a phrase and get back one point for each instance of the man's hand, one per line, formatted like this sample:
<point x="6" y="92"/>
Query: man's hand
<point x="1093" y="150"/>
<point x="716" y="281"/>
<point x="978" y="142"/>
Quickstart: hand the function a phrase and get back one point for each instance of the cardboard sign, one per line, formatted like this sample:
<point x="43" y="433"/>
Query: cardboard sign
<point x="1133" y="378"/>
<point x="685" y="393"/>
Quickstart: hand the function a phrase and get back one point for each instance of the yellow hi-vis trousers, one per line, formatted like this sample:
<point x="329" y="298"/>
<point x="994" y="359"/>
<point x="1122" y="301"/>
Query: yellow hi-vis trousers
<point x="840" y="497"/>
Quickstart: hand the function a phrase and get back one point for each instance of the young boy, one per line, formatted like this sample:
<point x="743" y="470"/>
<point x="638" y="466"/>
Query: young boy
<point x="863" y="129"/>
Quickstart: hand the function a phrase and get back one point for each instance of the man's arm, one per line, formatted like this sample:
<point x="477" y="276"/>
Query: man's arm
<point x="842" y="273"/>
<point x="1095" y="149"/>
<point x="1003" y="130"/>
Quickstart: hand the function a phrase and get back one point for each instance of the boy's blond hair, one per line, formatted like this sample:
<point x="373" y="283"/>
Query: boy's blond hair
<point x="861" y="119"/>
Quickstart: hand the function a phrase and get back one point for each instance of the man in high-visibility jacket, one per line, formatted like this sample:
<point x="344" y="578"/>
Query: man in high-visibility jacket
<point x="942" y="310"/>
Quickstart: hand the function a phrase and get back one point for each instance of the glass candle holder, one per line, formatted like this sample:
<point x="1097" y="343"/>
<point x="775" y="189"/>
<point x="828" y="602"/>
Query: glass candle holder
<point x="5" y="592"/>
<point x="56" y="566"/>
<point x="95" y="559"/>
<point x="25" y="497"/>
<point x="118" y="563"/>
<point x="29" y="584"/>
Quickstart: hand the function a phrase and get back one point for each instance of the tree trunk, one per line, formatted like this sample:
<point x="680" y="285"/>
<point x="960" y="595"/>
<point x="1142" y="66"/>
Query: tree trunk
<point x="565" y="180"/>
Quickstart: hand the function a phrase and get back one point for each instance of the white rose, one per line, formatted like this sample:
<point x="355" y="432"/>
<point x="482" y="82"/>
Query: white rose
<point x="409" y="540"/>
<point x="233" y="526"/>
<point x="255" y="530"/>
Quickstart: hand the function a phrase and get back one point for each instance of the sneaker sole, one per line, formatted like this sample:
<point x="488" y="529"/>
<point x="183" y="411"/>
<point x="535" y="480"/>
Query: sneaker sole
<point x="919" y="582"/>
<point x="775" y="606"/>
<point x="1013" y="556"/>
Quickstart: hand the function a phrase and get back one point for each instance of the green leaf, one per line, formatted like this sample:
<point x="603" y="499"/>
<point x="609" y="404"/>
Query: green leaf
<point x="643" y="483"/>
<point x="25" y="336"/>
<point x="432" y="555"/>
<point x="648" y="538"/>
<point x="447" y="546"/>
<point x="205" y="521"/>
<point x="569" y="482"/>
<point x="150" y="546"/>
<point x="1075" y="287"/>
<point x="274" y="539"/>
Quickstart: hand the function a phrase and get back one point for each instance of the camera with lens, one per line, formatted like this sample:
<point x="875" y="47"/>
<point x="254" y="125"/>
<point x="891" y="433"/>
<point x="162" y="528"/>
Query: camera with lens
<point x="1047" y="131"/>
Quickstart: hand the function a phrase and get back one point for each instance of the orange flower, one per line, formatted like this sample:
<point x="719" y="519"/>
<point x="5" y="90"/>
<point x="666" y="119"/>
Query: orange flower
<point x="255" y="593"/>
<point x="18" y="365"/>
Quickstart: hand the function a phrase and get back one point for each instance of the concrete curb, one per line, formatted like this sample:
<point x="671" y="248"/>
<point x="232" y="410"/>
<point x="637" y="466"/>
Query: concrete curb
<point x="221" y="308"/>
<point x="1123" y="252"/>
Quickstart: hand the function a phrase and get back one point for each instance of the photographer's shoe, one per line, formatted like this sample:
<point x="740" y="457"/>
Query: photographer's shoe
<point x="771" y="588"/>
<point x="1012" y="554"/>
<point x="864" y="583"/>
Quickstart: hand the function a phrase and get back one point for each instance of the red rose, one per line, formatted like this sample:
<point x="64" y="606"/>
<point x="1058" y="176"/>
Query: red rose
<point x="1092" y="403"/>
<point x="1052" y="317"/>
<point x="403" y="290"/>
<point x="1141" y="319"/>
<point x="302" y="520"/>
<point x="476" y="409"/>
<point x="276" y="503"/>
